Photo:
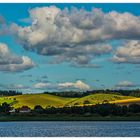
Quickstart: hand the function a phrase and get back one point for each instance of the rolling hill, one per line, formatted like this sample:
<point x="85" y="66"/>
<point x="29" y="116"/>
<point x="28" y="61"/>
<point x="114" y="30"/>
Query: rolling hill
<point x="99" y="98"/>
<point x="46" y="100"/>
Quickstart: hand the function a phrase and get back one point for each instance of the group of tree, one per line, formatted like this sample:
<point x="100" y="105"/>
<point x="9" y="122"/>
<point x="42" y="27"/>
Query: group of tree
<point x="66" y="93"/>
<point x="101" y="109"/>
<point x="4" y="108"/>
<point x="9" y="93"/>
<point x="134" y="92"/>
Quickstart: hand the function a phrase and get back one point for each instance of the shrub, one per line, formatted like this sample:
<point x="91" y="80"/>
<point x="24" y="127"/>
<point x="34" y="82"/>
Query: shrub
<point x="86" y="102"/>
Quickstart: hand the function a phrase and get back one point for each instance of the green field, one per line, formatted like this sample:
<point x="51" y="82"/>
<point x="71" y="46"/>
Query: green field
<point x="46" y="100"/>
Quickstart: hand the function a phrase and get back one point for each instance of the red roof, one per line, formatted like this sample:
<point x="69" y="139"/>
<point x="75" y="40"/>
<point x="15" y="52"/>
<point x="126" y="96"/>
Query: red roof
<point x="24" y="108"/>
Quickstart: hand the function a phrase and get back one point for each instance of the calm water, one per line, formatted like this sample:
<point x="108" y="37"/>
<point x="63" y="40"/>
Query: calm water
<point x="68" y="129"/>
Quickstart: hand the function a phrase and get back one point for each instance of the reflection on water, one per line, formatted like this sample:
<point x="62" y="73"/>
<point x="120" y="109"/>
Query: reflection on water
<point x="69" y="129"/>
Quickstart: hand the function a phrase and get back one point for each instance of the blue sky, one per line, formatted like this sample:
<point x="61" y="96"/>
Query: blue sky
<point x="71" y="72"/>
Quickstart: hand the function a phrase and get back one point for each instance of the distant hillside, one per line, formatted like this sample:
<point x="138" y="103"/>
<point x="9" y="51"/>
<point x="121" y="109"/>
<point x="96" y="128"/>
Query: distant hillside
<point x="99" y="98"/>
<point x="46" y="100"/>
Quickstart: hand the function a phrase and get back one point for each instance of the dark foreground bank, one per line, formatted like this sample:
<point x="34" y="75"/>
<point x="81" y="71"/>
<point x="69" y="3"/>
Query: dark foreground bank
<point x="45" y="117"/>
<point x="99" y="112"/>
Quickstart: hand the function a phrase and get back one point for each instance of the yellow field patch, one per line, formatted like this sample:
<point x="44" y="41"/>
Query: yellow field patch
<point x="127" y="101"/>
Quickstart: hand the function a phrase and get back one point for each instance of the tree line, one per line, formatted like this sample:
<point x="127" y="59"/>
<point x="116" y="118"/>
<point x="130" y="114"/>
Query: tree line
<point x="67" y="93"/>
<point x="135" y="93"/>
<point x="9" y="93"/>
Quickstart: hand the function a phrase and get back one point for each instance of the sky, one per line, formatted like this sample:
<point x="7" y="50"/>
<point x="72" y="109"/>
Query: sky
<point x="60" y="47"/>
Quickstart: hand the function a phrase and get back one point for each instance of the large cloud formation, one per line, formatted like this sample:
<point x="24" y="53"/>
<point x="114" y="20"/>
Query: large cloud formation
<point x="129" y="53"/>
<point x="78" y="85"/>
<point x="10" y="62"/>
<point x="75" y="36"/>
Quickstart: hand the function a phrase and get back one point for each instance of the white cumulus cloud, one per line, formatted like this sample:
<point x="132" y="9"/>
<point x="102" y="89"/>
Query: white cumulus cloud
<point x="78" y="85"/>
<point x="41" y="85"/>
<point x="126" y="84"/>
<point x="129" y="53"/>
<point x="10" y="62"/>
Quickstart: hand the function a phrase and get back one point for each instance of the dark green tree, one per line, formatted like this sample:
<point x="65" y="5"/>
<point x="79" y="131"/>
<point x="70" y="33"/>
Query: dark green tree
<point x="134" y="108"/>
<point x="5" y="108"/>
<point x="38" y="109"/>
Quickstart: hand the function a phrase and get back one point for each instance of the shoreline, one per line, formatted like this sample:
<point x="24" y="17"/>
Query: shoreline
<point x="17" y="118"/>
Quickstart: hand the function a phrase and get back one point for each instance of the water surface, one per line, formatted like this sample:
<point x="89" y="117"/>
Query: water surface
<point x="69" y="129"/>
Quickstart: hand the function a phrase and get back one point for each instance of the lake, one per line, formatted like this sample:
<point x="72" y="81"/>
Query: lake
<point x="69" y="129"/>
